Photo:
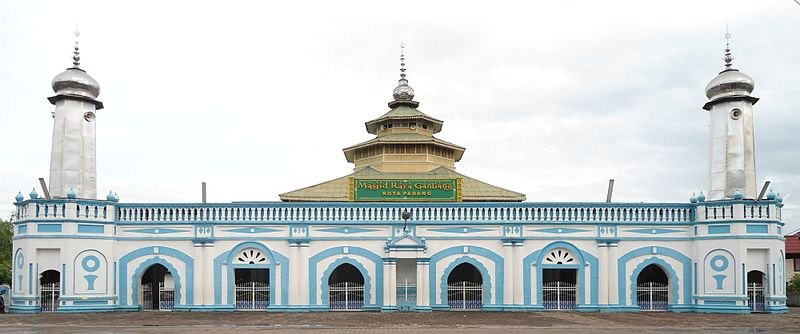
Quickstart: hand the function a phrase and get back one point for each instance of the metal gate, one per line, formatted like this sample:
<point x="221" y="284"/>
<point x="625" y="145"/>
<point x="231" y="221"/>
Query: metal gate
<point x="465" y="295"/>
<point x="252" y="296"/>
<point x="755" y="297"/>
<point x="652" y="296"/>
<point x="346" y="296"/>
<point x="50" y="292"/>
<point x="406" y="296"/>
<point x="559" y="295"/>
<point x="166" y="297"/>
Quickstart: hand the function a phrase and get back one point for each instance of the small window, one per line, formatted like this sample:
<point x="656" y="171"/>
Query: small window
<point x="425" y="126"/>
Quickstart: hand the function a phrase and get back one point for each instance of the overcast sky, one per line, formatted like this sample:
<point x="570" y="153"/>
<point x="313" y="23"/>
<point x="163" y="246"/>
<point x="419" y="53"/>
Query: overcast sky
<point x="258" y="98"/>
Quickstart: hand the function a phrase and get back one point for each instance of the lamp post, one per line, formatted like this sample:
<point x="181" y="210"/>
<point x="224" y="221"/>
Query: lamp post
<point x="405" y="216"/>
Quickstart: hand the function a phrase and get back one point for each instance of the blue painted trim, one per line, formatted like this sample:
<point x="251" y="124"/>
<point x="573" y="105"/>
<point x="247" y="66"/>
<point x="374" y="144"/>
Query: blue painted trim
<point x="253" y="229"/>
<point x="148" y="252"/>
<point x="22" y="229"/>
<point x="48" y="228"/>
<point x="654" y="231"/>
<point x="660" y="251"/>
<point x="139" y="271"/>
<point x="459" y="230"/>
<point x="471" y="250"/>
<point x="559" y="230"/>
<point x="719" y="229"/>
<point x="88" y="228"/>
<point x="156" y="230"/>
<point x="314" y="281"/>
<point x="347" y="230"/>
<point x="757" y="228"/>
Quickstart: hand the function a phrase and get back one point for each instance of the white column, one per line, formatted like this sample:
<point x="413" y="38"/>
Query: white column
<point x="423" y="285"/>
<point x="200" y="280"/>
<point x="303" y="279"/>
<point x="294" y="274"/>
<point x="508" y="276"/>
<point x="519" y="298"/>
<point x="389" y="283"/>
<point x="613" y="279"/>
<point x="604" y="274"/>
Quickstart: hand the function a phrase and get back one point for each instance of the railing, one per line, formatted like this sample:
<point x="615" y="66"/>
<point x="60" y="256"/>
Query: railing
<point x="251" y="296"/>
<point x="509" y="212"/>
<point x="464" y="295"/>
<point x="406" y="296"/>
<point x="49" y="298"/>
<point x="652" y="296"/>
<point x="63" y="209"/>
<point x="559" y="295"/>
<point x="165" y="301"/>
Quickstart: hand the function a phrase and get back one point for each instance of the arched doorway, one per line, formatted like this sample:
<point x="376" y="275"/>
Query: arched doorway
<point x="346" y="288"/>
<point x="157" y="290"/>
<point x="49" y="290"/>
<point x="465" y="288"/>
<point x="652" y="289"/>
<point x="559" y="280"/>
<point x="755" y="291"/>
<point x="252" y="280"/>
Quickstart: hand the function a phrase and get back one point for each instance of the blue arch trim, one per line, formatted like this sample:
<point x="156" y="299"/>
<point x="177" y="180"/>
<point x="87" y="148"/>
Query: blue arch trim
<point x="275" y="259"/>
<point x="499" y="270"/>
<point x="485" y="277"/>
<point x="137" y="277"/>
<point x="314" y="280"/>
<point x="685" y="277"/>
<point x="148" y="251"/>
<point x="584" y="258"/>
<point x="328" y="271"/>
<point x="671" y="278"/>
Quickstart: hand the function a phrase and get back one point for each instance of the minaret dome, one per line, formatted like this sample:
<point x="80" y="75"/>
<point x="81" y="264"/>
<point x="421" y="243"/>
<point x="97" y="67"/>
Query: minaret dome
<point x="75" y="81"/>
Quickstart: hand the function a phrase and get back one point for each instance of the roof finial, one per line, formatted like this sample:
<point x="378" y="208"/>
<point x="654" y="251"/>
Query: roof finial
<point x="402" y="61"/>
<point x="728" y="56"/>
<point x="76" y="57"/>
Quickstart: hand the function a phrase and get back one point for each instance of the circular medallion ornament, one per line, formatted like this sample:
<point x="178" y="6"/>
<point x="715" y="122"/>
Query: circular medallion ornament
<point x="90" y="263"/>
<point x="20" y="260"/>
<point x="719" y="263"/>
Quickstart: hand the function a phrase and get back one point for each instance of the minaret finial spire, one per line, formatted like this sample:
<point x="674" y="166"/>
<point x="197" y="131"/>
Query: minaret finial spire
<point x="402" y="61"/>
<point x="728" y="56"/>
<point x="76" y="56"/>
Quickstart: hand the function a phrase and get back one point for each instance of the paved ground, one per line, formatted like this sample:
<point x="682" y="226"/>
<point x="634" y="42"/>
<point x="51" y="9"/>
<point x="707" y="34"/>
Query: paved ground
<point x="436" y="322"/>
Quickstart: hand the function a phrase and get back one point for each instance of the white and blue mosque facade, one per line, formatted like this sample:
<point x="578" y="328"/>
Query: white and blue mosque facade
<point x="404" y="232"/>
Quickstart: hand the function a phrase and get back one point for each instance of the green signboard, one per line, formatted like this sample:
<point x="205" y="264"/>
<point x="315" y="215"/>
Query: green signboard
<point x="394" y="190"/>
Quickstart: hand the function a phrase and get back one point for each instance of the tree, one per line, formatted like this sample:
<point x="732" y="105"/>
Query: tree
<point x="794" y="284"/>
<point x="6" y="234"/>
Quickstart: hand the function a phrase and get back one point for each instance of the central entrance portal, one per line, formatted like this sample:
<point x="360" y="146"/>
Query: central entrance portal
<point x="252" y="289"/>
<point x="559" y="289"/>
<point x="652" y="289"/>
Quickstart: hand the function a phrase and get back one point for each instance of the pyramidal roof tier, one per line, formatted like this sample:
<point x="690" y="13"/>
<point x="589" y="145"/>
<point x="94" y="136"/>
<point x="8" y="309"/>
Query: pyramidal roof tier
<point x="404" y="162"/>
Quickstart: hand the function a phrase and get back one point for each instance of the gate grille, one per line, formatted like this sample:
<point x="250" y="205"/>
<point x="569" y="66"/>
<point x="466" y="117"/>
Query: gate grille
<point x="50" y="293"/>
<point x="346" y="296"/>
<point x="652" y="296"/>
<point x="166" y="297"/>
<point x="465" y="295"/>
<point x="559" y="295"/>
<point x="252" y="296"/>
<point x="755" y="297"/>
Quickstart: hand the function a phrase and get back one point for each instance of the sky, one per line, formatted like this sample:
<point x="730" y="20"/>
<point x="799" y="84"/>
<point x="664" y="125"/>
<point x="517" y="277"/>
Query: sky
<point x="258" y="98"/>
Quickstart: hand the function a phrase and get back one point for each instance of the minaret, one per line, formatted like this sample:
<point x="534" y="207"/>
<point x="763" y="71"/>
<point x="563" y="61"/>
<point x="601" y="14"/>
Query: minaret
<point x="73" y="165"/>
<point x="732" y="162"/>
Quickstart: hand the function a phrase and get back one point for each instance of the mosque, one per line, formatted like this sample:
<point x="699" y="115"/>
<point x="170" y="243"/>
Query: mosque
<point x="404" y="231"/>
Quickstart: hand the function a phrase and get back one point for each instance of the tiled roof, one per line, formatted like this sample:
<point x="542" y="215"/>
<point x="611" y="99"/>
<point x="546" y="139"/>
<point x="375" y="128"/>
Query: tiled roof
<point x="336" y="190"/>
<point x="793" y="244"/>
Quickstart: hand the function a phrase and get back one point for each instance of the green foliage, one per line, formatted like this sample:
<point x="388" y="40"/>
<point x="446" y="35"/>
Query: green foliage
<point x="794" y="284"/>
<point x="6" y="234"/>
